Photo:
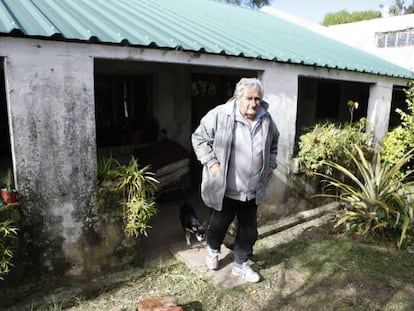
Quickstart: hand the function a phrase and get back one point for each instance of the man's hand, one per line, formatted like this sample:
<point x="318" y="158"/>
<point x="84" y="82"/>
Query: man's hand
<point x="214" y="169"/>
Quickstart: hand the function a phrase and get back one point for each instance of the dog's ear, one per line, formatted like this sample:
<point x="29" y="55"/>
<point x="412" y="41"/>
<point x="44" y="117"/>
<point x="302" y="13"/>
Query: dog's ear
<point x="204" y="223"/>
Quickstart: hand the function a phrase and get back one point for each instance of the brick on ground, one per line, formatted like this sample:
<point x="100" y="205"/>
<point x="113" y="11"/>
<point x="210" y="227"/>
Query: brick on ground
<point x="159" y="304"/>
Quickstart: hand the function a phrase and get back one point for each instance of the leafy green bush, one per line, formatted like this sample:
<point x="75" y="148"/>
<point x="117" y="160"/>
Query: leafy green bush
<point x="326" y="142"/>
<point x="398" y="141"/>
<point x="131" y="187"/>
<point x="374" y="198"/>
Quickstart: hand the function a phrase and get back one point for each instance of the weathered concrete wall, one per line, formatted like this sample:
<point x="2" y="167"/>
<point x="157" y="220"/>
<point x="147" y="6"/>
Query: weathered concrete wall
<point x="51" y="103"/>
<point x="50" y="93"/>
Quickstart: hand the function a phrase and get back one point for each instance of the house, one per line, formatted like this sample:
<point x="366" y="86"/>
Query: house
<point x="81" y="76"/>
<point x="390" y="37"/>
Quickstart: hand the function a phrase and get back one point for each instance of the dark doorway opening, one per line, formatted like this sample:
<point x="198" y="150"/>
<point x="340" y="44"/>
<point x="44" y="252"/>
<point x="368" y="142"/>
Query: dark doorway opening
<point x="322" y="100"/>
<point x="398" y="101"/>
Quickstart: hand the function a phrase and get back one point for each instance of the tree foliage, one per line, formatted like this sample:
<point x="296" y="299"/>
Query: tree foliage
<point x="254" y="4"/>
<point x="400" y="8"/>
<point x="343" y="17"/>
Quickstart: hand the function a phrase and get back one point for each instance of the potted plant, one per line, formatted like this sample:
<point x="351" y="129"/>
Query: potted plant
<point x="8" y="193"/>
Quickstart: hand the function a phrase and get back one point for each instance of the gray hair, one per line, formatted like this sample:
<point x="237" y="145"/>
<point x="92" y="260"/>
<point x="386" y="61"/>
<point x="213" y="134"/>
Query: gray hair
<point x="248" y="83"/>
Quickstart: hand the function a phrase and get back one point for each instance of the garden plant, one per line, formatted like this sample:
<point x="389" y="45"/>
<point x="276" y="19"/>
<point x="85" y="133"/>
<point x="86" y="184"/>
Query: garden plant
<point x="8" y="232"/>
<point x="374" y="188"/>
<point x="130" y="188"/>
<point x="374" y="196"/>
<point x="326" y="141"/>
<point x="400" y="140"/>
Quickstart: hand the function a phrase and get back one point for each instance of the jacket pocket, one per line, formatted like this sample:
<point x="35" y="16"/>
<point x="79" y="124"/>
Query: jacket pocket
<point x="212" y="187"/>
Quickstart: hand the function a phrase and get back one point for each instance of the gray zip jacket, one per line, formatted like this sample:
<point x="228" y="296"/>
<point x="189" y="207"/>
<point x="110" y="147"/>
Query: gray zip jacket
<point x="212" y="143"/>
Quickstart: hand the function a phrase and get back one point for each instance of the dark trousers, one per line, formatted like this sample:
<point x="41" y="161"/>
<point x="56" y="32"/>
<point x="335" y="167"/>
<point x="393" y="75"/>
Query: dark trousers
<point x="246" y="213"/>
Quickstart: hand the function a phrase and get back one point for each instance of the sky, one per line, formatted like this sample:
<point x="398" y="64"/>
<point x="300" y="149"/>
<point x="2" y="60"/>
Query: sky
<point x="315" y="10"/>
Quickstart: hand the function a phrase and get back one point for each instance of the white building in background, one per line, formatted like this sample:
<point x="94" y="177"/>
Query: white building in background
<point x="390" y="37"/>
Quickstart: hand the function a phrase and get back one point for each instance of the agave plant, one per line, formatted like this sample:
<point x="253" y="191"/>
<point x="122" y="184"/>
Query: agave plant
<point x="374" y="195"/>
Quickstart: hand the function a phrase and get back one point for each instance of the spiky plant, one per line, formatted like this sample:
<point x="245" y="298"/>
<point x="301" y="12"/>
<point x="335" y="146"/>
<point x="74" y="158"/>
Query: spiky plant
<point x="7" y="233"/>
<point x="130" y="186"/>
<point x="138" y="186"/>
<point x="374" y="195"/>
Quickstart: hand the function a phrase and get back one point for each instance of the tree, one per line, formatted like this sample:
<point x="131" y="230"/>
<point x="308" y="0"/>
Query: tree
<point x="343" y="17"/>
<point x="254" y="4"/>
<point x="399" y="8"/>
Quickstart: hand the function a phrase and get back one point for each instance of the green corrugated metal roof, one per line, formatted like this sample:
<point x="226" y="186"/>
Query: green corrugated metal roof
<point x="191" y="25"/>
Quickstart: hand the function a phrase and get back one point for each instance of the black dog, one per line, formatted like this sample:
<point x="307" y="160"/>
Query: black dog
<point x="191" y="224"/>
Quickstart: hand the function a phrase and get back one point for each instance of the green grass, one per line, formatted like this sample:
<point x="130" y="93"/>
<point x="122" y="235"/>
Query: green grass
<point x="316" y="271"/>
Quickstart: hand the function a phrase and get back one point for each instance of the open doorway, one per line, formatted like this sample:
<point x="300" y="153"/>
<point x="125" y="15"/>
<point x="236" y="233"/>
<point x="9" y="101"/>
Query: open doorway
<point x="322" y="100"/>
<point x="128" y="115"/>
<point x="398" y="101"/>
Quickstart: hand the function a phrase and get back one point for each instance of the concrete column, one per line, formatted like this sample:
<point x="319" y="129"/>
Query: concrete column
<point x="281" y="89"/>
<point x="379" y="107"/>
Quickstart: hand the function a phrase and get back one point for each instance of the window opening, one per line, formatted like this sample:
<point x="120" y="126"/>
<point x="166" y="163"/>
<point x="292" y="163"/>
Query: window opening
<point x="398" y="38"/>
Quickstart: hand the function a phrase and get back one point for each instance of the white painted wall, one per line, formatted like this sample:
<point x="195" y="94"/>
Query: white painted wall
<point x="362" y="34"/>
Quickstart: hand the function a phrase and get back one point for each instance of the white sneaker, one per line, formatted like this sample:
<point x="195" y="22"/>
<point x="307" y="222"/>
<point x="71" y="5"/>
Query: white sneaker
<point x="246" y="272"/>
<point x="212" y="258"/>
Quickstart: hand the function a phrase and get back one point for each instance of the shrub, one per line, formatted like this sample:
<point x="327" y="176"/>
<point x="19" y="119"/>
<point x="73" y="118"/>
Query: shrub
<point x="326" y="142"/>
<point x="398" y="141"/>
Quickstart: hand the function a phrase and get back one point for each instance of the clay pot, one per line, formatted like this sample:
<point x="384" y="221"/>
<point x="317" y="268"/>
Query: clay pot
<point x="9" y="196"/>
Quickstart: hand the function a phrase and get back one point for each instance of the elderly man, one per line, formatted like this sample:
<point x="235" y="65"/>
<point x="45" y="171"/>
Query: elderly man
<point x="237" y="145"/>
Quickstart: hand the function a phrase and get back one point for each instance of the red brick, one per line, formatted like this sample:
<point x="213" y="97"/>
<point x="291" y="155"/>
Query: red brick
<point x="154" y="304"/>
<point x="167" y="309"/>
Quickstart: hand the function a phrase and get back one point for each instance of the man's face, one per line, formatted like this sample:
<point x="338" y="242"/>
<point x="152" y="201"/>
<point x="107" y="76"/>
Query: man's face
<point x="249" y="103"/>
